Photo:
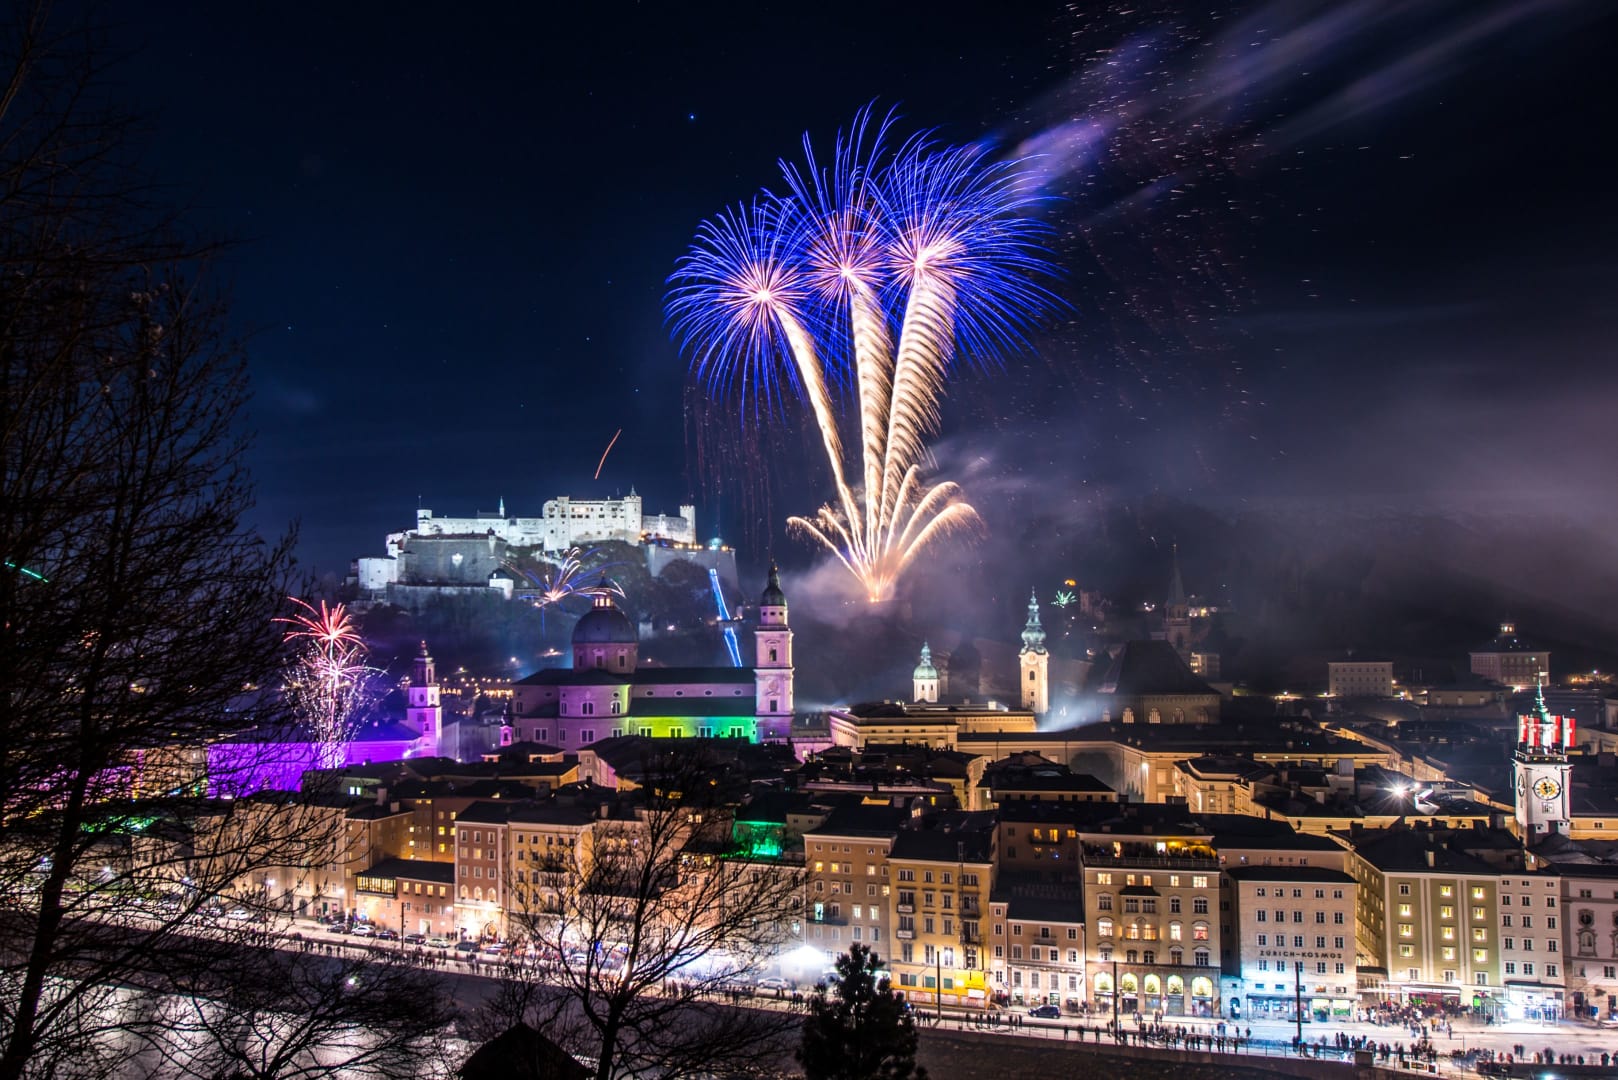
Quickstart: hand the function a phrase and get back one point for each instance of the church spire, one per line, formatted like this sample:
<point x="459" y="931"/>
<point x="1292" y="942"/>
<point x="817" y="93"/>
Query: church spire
<point x="1033" y="635"/>
<point x="1177" y="583"/>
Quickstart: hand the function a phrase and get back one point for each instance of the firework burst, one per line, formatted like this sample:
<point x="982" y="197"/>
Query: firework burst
<point x="878" y="269"/>
<point x="576" y="574"/>
<point x="328" y="679"/>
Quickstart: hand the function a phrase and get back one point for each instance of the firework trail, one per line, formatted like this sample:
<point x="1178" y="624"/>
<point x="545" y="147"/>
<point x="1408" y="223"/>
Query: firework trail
<point x="611" y="443"/>
<point x="328" y="679"/>
<point x="879" y="268"/>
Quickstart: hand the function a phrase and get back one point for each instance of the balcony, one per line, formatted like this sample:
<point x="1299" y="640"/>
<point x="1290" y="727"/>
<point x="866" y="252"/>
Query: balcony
<point x="905" y="935"/>
<point x="1153" y="862"/>
<point x="905" y="909"/>
<point x="969" y="937"/>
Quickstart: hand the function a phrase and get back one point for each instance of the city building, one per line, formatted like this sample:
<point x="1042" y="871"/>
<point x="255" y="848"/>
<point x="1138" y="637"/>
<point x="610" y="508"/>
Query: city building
<point x="1359" y="677"/>
<point x="1428" y="924"/>
<point x="847" y="886"/>
<point x="1294" y="940"/>
<point x="1037" y="944"/>
<point x="1510" y="661"/>
<point x="943" y="874"/>
<point x="1152" y="893"/>
<point x="1148" y="683"/>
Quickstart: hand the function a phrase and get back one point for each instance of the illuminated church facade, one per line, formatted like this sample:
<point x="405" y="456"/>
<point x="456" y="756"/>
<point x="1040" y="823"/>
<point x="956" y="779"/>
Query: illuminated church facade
<point x="607" y="693"/>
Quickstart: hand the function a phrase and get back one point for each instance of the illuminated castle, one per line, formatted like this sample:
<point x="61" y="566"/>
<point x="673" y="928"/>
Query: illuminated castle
<point x="606" y="693"/>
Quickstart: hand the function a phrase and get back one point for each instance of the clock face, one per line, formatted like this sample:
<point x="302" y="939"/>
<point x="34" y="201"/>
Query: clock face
<point x="1546" y="788"/>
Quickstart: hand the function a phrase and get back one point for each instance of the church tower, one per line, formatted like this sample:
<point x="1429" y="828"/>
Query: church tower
<point x="1177" y="612"/>
<point x="1034" y="662"/>
<point x="924" y="680"/>
<point x="772" y="664"/>
<point x="1542" y="771"/>
<point x="423" y="712"/>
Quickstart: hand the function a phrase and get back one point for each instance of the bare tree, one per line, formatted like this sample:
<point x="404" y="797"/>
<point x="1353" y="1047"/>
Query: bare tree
<point x="635" y="944"/>
<point x="135" y="606"/>
<point x="281" y="1015"/>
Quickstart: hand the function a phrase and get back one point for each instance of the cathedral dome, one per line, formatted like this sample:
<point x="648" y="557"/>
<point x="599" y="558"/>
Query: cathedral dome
<point x="925" y="669"/>
<point x="604" y="624"/>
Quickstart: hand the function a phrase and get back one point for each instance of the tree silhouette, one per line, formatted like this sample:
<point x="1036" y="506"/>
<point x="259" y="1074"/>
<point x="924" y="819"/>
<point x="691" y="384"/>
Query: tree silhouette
<point x="858" y="1027"/>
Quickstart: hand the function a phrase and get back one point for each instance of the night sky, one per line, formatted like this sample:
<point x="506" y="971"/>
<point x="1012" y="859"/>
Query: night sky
<point x="1381" y="263"/>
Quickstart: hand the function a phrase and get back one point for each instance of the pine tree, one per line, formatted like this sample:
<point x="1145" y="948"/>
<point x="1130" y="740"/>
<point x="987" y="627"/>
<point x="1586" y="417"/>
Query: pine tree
<point x="858" y="1027"/>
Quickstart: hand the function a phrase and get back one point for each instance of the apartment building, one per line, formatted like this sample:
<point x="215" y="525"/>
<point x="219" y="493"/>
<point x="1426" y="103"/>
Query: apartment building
<point x="1589" y="938"/>
<point x="1293" y="938"/>
<point x="847" y="880"/>
<point x="1428" y="917"/>
<point x="943" y="875"/>
<point x="1152" y="896"/>
<point x="1037" y="945"/>
<point x="481" y="864"/>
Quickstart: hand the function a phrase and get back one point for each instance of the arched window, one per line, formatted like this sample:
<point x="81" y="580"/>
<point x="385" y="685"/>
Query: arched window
<point x="477" y="894"/>
<point x="1104" y="927"/>
<point x="463" y="892"/>
<point x="1200" y="957"/>
<point x="1176" y="956"/>
<point x="772" y="655"/>
<point x="1174" y="931"/>
<point x="587" y="709"/>
<point x="1150" y="957"/>
<point x="1030" y="676"/>
<point x="615" y="706"/>
<point x="1199" y="931"/>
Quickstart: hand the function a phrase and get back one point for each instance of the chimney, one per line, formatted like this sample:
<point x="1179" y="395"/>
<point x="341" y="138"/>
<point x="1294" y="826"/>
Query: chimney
<point x="1431" y="858"/>
<point x="381" y="795"/>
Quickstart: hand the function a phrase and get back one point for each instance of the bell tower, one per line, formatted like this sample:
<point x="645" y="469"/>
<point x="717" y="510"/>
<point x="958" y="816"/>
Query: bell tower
<point x="772" y="664"/>
<point x="1542" y="772"/>
<point x="1034" y="662"/>
<point x="423" y="712"/>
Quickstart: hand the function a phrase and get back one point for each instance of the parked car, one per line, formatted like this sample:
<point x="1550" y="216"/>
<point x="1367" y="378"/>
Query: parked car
<point x="415" y="939"/>
<point x="466" y="947"/>
<point x="773" y="983"/>
<point x="438" y="943"/>
<point x="387" y="935"/>
<point x="337" y="928"/>
<point x="1046" y="1012"/>
<point x="363" y="930"/>
<point x="495" y="948"/>
<point x="240" y="914"/>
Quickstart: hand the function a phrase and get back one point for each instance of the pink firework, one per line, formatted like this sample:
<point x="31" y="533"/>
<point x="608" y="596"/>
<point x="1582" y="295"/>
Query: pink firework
<point x="327" y="679"/>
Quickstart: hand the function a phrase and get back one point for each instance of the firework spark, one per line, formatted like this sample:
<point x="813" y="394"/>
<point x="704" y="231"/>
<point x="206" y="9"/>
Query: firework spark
<point x="881" y="265"/>
<point x="328" y="679"/>
<point x="574" y="575"/>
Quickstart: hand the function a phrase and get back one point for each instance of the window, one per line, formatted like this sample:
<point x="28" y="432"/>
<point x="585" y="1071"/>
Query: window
<point x="1404" y="890"/>
<point x="1199" y="905"/>
<point x="1261" y="914"/>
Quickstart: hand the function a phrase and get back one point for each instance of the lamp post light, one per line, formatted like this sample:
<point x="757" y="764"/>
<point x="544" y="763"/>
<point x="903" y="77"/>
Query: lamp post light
<point x="1297" y="1008"/>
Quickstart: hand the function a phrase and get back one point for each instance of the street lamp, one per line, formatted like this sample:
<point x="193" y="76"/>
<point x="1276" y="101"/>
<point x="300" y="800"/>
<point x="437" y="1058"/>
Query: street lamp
<point x="1297" y="1008"/>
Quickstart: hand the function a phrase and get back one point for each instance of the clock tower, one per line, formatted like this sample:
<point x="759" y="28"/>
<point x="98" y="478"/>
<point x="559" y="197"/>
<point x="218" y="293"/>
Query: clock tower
<point x="772" y="664"/>
<point x="1542" y="772"/>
